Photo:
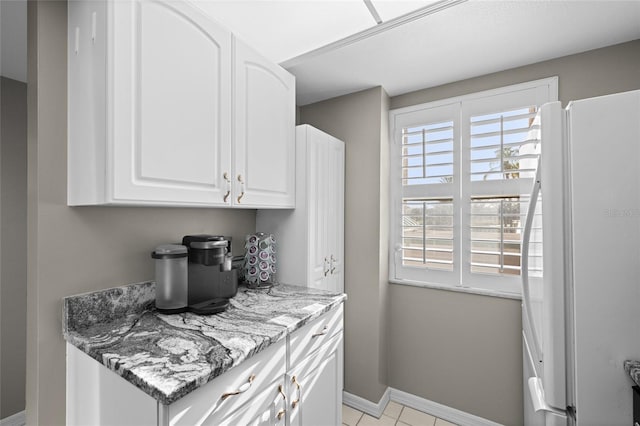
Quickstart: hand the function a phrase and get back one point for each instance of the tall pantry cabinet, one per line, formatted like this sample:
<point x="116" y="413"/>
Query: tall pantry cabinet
<point x="311" y="237"/>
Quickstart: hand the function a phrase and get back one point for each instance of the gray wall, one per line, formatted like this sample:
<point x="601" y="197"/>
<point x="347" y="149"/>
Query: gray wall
<point x="360" y="121"/>
<point x="462" y="350"/>
<point x="594" y="73"/>
<point x="74" y="250"/>
<point x="13" y="241"/>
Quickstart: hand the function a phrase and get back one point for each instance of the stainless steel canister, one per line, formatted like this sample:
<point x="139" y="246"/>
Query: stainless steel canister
<point x="171" y="278"/>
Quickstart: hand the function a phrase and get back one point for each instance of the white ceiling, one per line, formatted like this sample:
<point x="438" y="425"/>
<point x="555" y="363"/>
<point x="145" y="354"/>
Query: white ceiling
<point x="284" y="29"/>
<point x="334" y="47"/>
<point x="465" y="40"/>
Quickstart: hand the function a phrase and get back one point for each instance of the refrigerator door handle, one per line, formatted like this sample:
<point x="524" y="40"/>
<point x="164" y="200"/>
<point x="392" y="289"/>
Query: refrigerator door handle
<point x="526" y="236"/>
<point x="537" y="397"/>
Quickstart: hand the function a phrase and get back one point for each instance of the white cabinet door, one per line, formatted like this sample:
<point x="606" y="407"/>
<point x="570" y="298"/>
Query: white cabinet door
<point x="335" y="214"/>
<point x="316" y="163"/>
<point x="171" y="102"/>
<point x="315" y="388"/>
<point x="325" y="162"/>
<point x="264" y="151"/>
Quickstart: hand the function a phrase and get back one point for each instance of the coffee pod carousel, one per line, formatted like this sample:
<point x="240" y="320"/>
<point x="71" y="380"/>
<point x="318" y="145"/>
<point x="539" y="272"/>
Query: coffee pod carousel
<point x="260" y="261"/>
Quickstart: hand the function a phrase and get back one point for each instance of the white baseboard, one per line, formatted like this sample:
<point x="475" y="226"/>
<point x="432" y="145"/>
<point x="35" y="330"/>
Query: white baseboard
<point x="417" y="403"/>
<point x="18" y="419"/>
<point x="366" y="406"/>
<point x="438" y="410"/>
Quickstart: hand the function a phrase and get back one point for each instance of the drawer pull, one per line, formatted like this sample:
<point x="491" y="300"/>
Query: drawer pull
<point x="295" y="402"/>
<point x="322" y="333"/>
<point x="281" y="414"/>
<point x="245" y="387"/>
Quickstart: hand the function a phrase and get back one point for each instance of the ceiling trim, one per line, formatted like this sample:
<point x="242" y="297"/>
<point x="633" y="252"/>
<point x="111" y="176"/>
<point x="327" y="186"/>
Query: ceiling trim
<point x="362" y="35"/>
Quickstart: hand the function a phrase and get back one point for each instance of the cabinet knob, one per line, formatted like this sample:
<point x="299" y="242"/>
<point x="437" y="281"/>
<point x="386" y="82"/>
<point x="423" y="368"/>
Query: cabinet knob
<point x="245" y="387"/>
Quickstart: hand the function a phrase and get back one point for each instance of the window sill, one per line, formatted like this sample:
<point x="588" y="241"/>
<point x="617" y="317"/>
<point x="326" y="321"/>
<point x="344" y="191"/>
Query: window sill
<point x="470" y="290"/>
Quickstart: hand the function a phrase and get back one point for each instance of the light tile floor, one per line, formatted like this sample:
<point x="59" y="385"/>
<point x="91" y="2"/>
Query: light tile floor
<point x="394" y="415"/>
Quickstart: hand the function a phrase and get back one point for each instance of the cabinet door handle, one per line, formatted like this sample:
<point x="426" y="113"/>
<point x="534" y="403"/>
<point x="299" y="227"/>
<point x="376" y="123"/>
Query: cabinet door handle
<point x="333" y="268"/>
<point x="282" y="412"/>
<point x="245" y="387"/>
<point x="325" y="267"/>
<point x="296" y="401"/>
<point x="225" y="175"/>
<point x="241" y="188"/>
<point x="321" y="333"/>
<point x="281" y="392"/>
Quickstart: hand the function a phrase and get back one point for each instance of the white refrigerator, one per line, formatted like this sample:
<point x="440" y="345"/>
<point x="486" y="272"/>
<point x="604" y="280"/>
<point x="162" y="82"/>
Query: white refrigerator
<point x="581" y="310"/>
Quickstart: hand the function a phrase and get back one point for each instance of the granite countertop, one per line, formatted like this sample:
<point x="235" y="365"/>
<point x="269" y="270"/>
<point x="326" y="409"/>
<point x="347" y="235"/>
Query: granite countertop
<point x="633" y="369"/>
<point x="168" y="356"/>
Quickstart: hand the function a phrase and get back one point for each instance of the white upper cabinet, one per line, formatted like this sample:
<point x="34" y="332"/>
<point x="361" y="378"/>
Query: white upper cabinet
<point x="264" y="131"/>
<point x="151" y="118"/>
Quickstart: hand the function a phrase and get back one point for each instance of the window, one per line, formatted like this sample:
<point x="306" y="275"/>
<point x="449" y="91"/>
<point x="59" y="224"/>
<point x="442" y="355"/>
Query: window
<point x="461" y="174"/>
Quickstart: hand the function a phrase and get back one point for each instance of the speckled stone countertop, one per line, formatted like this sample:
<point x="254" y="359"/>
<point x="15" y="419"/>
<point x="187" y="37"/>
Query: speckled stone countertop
<point x="168" y="356"/>
<point x="633" y="368"/>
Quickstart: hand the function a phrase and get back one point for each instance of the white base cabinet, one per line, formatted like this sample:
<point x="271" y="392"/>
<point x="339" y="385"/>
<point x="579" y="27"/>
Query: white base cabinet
<point x="311" y="238"/>
<point x="297" y="381"/>
<point x="151" y="92"/>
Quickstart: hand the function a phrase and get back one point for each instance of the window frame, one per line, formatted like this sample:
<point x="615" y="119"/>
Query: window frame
<point x="458" y="109"/>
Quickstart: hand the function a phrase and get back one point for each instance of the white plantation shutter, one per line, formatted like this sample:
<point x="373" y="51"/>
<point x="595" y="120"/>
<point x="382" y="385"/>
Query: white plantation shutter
<point x="503" y="145"/>
<point x="427" y="154"/>
<point x="427" y="233"/>
<point x="461" y="174"/>
<point x="426" y="205"/>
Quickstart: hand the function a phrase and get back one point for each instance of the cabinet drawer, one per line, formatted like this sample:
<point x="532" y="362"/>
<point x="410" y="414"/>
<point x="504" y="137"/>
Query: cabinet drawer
<point x="269" y="407"/>
<point x="308" y="339"/>
<point x="307" y="365"/>
<point x="208" y="404"/>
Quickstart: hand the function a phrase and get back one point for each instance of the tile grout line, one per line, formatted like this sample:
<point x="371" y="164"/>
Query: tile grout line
<point x="400" y="414"/>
